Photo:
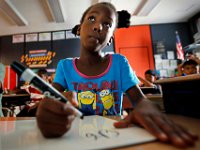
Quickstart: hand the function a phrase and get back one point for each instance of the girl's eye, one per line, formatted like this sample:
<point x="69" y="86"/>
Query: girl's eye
<point x="91" y="18"/>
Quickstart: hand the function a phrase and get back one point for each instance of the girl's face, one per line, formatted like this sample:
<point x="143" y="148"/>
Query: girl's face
<point x="97" y="28"/>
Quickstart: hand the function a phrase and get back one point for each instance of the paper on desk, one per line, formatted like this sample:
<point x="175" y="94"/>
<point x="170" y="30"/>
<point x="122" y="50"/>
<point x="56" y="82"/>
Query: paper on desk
<point x="93" y="132"/>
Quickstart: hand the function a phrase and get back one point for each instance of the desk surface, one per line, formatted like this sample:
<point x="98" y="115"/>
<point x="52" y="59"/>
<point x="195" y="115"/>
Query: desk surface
<point x="154" y="96"/>
<point x="9" y="100"/>
<point x="192" y="77"/>
<point x="189" y="123"/>
<point x="15" y="95"/>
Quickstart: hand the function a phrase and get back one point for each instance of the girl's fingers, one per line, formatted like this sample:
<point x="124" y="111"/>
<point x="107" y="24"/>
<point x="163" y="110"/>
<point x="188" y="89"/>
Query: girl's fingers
<point x="146" y="122"/>
<point x="54" y="130"/>
<point x="55" y="106"/>
<point x="54" y="118"/>
<point x="123" y="123"/>
<point x="48" y="118"/>
<point x="162" y="128"/>
<point x="175" y="133"/>
<point x="187" y="137"/>
<point x="153" y="128"/>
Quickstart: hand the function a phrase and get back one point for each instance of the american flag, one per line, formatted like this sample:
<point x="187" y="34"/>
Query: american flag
<point x="179" y="49"/>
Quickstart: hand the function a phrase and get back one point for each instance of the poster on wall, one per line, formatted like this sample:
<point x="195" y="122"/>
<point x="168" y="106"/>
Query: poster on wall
<point x="170" y="55"/>
<point x="32" y="37"/>
<point x="38" y="58"/>
<point x="45" y="36"/>
<point x="19" y="38"/>
<point x="59" y="35"/>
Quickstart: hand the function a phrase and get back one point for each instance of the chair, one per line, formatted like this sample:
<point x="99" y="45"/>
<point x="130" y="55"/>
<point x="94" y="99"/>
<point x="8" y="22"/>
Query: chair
<point x="11" y="101"/>
<point x="7" y="112"/>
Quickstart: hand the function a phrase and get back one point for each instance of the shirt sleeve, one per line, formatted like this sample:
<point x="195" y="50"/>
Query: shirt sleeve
<point x="128" y="77"/>
<point x="59" y="76"/>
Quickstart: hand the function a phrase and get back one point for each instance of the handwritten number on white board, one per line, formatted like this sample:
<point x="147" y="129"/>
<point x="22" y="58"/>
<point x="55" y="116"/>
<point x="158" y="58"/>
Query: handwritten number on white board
<point x="103" y="133"/>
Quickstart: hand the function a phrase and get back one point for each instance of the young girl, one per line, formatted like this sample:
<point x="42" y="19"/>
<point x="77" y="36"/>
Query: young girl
<point x="98" y="83"/>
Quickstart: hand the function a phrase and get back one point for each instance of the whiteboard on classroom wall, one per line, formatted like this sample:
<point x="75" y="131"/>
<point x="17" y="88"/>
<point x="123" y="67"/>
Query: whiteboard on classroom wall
<point x="93" y="132"/>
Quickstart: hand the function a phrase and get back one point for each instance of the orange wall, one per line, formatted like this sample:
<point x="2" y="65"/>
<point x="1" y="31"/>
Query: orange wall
<point x="132" y="38"/>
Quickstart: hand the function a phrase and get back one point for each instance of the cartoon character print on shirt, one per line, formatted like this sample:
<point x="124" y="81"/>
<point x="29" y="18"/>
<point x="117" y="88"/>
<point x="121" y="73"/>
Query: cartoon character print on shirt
<point x="87" y="102"/>
<point x="107" y="99"/>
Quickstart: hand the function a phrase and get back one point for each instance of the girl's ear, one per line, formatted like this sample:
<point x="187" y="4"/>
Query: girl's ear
<point x="110" y="41"/>
<point x="78" y="30"/>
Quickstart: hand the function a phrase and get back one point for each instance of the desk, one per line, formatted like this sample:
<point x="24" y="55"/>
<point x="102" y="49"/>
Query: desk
<point x="11" y="100"/>
<point x="189" y="123"/>
<point x="181" y="95"/>
<point x="151" y="90"/>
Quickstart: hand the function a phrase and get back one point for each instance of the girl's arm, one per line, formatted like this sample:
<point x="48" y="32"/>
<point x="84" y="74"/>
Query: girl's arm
<point x="135" y="95"/>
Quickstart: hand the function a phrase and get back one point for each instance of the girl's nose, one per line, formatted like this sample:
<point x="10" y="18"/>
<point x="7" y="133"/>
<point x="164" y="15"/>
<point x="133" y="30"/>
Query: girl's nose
<point x="98" y="27"/>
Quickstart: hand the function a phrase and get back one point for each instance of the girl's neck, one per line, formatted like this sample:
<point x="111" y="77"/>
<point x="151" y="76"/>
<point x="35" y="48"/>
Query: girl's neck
<point x="91" y="58"/>
<point x="92" y="65"/>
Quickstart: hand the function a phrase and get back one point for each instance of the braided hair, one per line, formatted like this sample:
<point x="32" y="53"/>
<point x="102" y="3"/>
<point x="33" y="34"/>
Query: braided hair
<point x="123" y="17"/>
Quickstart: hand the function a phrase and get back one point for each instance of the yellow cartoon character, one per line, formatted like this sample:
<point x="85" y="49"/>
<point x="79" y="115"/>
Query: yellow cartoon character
<point x="87" y="102"/>
<point x="108" y="102"/>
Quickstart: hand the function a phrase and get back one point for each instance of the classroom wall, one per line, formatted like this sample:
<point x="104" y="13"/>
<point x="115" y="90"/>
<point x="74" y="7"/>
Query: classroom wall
<point x="64" y="48"/>
<point x="193" y="23"/>
<point x="9" y="51"/>
<point x="71" y="47"/>
<point x="166" y="33"/>
<point x="13" y="51"/>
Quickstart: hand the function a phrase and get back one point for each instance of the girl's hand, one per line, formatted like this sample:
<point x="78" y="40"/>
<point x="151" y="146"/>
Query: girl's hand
<point x="54" y="118"/>
<point x="147" y="115"/>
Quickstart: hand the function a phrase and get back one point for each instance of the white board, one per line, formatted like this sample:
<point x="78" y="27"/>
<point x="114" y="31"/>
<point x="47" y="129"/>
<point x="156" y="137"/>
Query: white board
<point x="93" y="132"/>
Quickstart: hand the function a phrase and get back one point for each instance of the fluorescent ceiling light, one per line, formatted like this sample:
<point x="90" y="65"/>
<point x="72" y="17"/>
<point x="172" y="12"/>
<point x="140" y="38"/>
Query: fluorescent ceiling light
<point x="56" y="9"/>
<point x="10" y="10"/>
<point x="145" y="7"/>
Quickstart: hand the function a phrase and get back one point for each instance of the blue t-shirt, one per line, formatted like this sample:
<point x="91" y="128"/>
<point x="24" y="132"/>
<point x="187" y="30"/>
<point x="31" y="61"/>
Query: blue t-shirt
<point x="101" y="94"/>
